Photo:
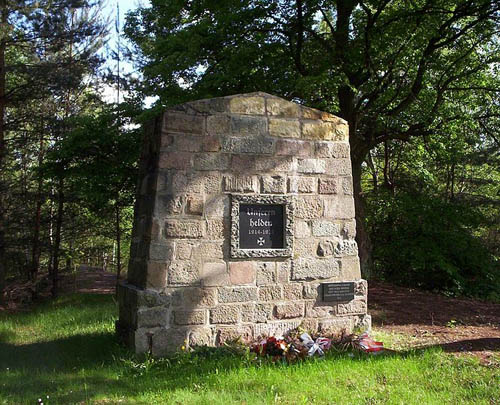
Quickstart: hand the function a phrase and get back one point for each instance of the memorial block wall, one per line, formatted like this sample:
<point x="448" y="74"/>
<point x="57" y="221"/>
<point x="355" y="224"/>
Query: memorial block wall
<point x="244" y="212"/>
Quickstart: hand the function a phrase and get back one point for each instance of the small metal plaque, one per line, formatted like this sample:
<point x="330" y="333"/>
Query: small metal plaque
<point x="261" y="226"/>
<point x="338" y="291"/>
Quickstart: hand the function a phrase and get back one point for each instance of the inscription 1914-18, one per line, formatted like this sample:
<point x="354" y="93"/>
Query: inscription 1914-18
<point x="261" y="226"/>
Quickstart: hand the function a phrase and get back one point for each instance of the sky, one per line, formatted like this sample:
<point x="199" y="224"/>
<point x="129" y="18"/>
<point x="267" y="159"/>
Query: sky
<point x="110" y="9"/>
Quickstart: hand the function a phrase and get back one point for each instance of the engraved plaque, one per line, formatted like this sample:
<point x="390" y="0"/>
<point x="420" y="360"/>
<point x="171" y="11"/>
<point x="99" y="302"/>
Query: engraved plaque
<point x="339" y="292"/>
<point x="261" y="226"/>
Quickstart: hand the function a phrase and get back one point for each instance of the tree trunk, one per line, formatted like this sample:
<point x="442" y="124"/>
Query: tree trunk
<point x="3" y="153"/>
<point x="362" y="236"/>
<point x="118" y="243"/>
<point x="35" y="257"/>
<point x="57" y="238"/>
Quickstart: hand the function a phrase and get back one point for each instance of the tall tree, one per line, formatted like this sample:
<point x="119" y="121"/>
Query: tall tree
<point x="43" y="32"/>
<point x="385" y="66"/>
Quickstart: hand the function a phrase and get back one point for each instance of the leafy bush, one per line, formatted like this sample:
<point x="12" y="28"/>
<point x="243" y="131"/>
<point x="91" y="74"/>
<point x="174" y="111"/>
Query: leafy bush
<point x="423" y="241"/>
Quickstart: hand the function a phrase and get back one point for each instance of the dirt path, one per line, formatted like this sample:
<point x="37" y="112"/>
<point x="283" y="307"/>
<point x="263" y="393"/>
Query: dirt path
<point x="89" y="282"/>
<point x="426" y="319"/>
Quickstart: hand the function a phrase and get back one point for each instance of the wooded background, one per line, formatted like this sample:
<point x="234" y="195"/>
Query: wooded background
<point x="417" y="82"/>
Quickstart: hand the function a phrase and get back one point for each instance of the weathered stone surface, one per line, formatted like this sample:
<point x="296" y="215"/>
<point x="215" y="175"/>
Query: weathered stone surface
<point x="341" y="133"/>
<point x="310" y="269"/>
<point x="175" y="160"/>
<point x="242" y="273"/>
<point x="248" y="126"/>
<point x="361" y="288"/>
<point x="313" y="114"/>
<point x="183" y="272"/>
<point x="302" y="185"/>
<point x="214" y="274"/>
<point x="275" y="328"/>
<point x="290" y="310"/>
<point x="318" y="130"/>
<point x="338" y="167"/>
<point x="237" y="294"/>
<point x="217" y="206"/>
<point x="183" y="229"/>
<point x="215" y="229"/>
<point x="230" y="333"/>
<point x="218" y="124"/>
<point x="347" y="187"/>
<point x="283" y="271"/>
<point x="327" y="247"/>
<point x="309" y="325"/>
<point x="243" y="163"/>
<point x="187" y="143"/>
<point x="339" y="207"/>
<point x="363" y="323"/>
<point x="270" y="293"/>
<point x="161" y="251"/>
<point x="353" y="307"/>
<point x="305" y="247"/>
<point x="195" y="205"/>
<point x="199" y="297"/>
<point x="308" y="207"/>
<point x="151" y="317"/>
<point x="247" y="105"/>
<point x="349" y="229"/>
<point x="346" y="248"/>
<point x="247" y="145"/>
<point x="311" y="291"/>
<point x="156" y="274"/>
<point x="328" y="186"/>
<point x="210" y="143"/>
<point x="332" y="149"/>
<point x="274" y="184"/>
<point x="200" y="337"/>
<point x="211" y="161"/>
<point x="167" y="204"/>
<point x="286" y="128"/>
<point x="166" y="341"/>
<point x="333" y="326"/>
<point x="184" y="250"/>
<point x="302" y="229"/>
<point x="321" y="227"/>
<point x="210" y="250"/>
<point x="180" y="122"/>
<point x="256" y="312"/>
<point x="293" y="148"/>
<point x="266" y="273"/>
<point x="282" y="108"/>
<point x="350" y="268"/>
<point x="150" y="298"/>
<point x="292" y="291"/>
<point x="182" y="183"/>
<point x="225" y="314"/>
<point x="240" y="184"/>
<point x="311" y="166"/>
<point x="190" y="317"/>
<point x="315" y="310"/>
<point x="211" y="182"/>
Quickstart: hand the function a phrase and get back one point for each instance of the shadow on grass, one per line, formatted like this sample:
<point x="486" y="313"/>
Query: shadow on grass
<point x="476" y="345"/>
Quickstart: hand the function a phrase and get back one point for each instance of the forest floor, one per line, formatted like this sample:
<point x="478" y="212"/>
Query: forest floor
<point x="457" y="325"/>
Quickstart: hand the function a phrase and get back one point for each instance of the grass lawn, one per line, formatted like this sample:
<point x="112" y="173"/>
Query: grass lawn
<point x="66" y="350"/>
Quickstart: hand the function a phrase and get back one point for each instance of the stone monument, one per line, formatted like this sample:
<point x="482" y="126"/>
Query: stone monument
<point x="244" y="226"/>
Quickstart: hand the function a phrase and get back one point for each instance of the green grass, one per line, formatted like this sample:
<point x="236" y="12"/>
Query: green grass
<point x="67" y="350"/>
